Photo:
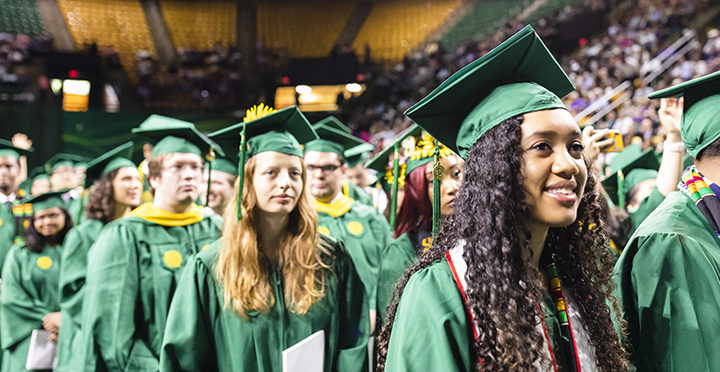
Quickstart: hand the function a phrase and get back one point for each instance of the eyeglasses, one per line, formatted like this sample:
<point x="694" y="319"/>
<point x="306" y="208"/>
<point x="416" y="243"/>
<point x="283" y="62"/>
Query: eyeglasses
<point x="179" y="168"/>
<point x="323" y="168"/>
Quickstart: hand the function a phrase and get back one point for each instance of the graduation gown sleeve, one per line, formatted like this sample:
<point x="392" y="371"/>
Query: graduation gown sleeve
<point x="111" y="294"/>
<point x="668" y="280"/>
<point x="396" y="257"/>
<point x="430" y="331"/>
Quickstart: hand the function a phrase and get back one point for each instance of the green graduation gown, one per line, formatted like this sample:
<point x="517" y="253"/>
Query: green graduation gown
<point x="364" y="233"/>
<point x="7" y="231"/>
<point x="431" y="330"/>
<point x="646" y="207"/>
<point x="667" y="277"/>
<point x="72" y="279"/>
<point x="29" y="292"/>
<point x="202" y="335"/>
<point x="397" y="256"/>
<point x="358" y="194"/>
<point x="133" y="270"/>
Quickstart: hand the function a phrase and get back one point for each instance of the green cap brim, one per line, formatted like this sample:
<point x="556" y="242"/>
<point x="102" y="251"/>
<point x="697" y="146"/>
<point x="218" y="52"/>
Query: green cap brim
<point x="281" y="131"/>
<point x="337" y="141"/>
<point x="63" y="159"/>
<point x="332" y="122"/>
<point x="8" y="149"/>
<point x="114" y="159"/>
<point x="47" y="200"/>
<point x="700" y="121"/>
<point x="171" y="136"/>
<point x="225" y="166"/>
<point x="472" y="93"/>
<point x="381" y="161"/>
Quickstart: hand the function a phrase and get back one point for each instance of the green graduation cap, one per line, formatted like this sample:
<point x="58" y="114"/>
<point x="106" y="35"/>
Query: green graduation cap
<point x="627" y="169"/>
<point x="8" y="149"/>
<point x="46" y="201"/>
<point x="700" y="121"/>
<point x="419" y="150"/>
<point x="169" y="135"/>
<point x="338" y="142"/>
<point x="333" y="122"/>
<point x="116" y="158"/>
<point x="225" y="166"/>
<point x="62" y="159"/>
<point x="264" y="129"/>
<point x="517" y="77"/>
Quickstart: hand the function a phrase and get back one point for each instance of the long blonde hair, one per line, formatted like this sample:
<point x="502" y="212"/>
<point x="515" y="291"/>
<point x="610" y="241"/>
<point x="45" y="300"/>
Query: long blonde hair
<point x="245" y="280"/>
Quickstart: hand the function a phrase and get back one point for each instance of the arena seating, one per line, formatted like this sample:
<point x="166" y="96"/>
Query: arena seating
<point x="481" y="19"/>
<point x="396" y="27"/>
<point x="117" y="23"/>
<point x="303" y="29"/>
<point x="200" y="24"/>
<point x="20" y="17"/>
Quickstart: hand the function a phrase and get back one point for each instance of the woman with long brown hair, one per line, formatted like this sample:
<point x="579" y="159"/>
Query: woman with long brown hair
<point x="519" y="277"/>
<point x="272" y="281"/>
<point x="116" y="189"/>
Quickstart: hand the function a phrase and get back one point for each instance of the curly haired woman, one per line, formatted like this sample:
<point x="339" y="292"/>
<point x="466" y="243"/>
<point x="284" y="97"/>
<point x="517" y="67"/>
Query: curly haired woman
<point x="519" y="276"/>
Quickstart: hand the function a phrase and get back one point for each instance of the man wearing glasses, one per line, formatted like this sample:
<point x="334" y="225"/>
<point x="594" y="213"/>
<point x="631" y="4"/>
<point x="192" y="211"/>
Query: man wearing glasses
<point x="363" y="231"/>
<point x="134" y="266"/>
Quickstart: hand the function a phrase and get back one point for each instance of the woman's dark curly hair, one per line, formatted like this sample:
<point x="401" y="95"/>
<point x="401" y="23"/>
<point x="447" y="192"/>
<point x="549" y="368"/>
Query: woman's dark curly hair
<point x="101" y="203"/>
<point x="36" y="242"/>
<point x="488" y="213"/>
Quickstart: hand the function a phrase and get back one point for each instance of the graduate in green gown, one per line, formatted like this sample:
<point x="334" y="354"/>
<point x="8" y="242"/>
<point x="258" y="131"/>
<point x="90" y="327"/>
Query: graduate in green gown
<point x="222" y="178"/>
<point x="29" y="299"/>
<point x="10" y="196"/>
<point x="413" y="224"/>
<point x="668" y="273"/>
<point x="513" y="280"/>
<point x="360" y="227"/>
<point x="115" y="191"/>
<point x="272" y="280"/>
<point x="136" y="262"/>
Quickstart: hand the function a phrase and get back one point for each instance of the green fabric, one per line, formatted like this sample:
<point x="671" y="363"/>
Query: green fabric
<point x="363" y="245"/>
<point x="62" y="159"/>
<point x="77" y="244"/>
<point x="171" y="136"/>
<point x="517" y="77"/>
<point x="632" y="158"/>
<point x="636" y="176"/>
<point x="63" y="163"/>
<point x="333" y="122"/>
<point x="396" y="258"/>
<point x="29" y="292"/>
<point x="413" y="164"/>
<point x="282" y="142"/>
<point x="75" y="208"/>
<point x="7" y="232"/>
<point x="647" y="206"/>
<point x="359" y="195"/>
<point x="225" y="166"/>
<point x="173" y="145"/>
<point x="114" y="159"/>
<point x="133" y="270"/>
<point x="47" y="200"/>
<point x="203" y="336"/>
<point x="381" y="161"/>
<point x="321" y="145"/>
<point x="288" y="124"/>
<point x="700" y="123"/>
<point x="431" y="333"/>
<point x="667" y="278"/>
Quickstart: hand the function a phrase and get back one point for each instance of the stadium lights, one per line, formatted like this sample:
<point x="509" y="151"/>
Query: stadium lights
<point x="353" y="87"/>
<point x="303" y="89"/>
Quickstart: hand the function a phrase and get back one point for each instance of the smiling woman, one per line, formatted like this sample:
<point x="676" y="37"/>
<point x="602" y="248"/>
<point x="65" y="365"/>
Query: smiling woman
<point x="519" y="276"/>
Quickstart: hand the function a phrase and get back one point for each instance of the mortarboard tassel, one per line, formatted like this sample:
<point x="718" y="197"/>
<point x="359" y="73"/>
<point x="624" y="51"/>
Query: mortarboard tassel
<point x="438" y="174"/>
<point x="621" y="190"/>
<point x="209" y="157"/>
<point x="396" y="181"/>
<point x="241" y="172"/>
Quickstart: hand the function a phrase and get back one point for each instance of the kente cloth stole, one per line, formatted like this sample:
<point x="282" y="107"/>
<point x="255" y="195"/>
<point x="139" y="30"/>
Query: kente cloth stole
<point x="704" y="193"/>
